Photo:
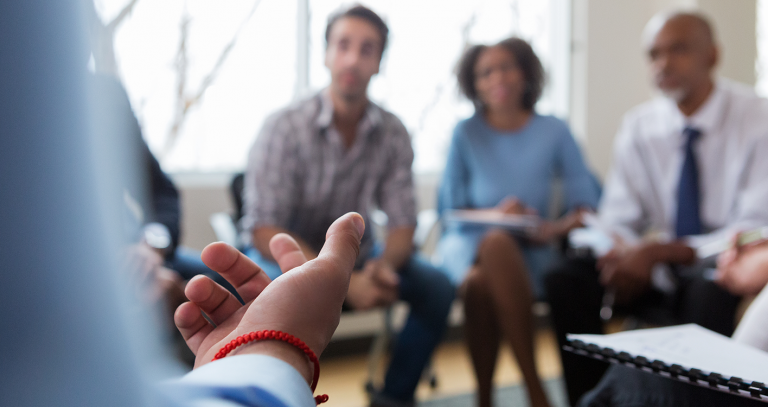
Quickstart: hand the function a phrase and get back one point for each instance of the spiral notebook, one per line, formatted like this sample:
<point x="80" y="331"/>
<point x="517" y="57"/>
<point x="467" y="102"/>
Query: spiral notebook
<point x="688" y="353"/>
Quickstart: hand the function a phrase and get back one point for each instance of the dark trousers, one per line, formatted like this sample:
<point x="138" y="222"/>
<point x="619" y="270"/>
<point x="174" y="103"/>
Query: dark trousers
<point x="429" y="294"/>
<point x="628" y="387"/>
<point x="575" y="297"/>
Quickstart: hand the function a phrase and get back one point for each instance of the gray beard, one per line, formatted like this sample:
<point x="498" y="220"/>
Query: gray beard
<point x="675" y="94"/>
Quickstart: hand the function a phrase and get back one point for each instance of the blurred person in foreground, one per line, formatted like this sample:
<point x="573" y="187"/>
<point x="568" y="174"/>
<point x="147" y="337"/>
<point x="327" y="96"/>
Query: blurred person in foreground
<point x="337" y="152"/>
<point x="688" y="170"/>
<point x="154" y="261"/>
<point x="71" y="335"/>
<point x="152" y="221"/>
<point x="504" y="160"/>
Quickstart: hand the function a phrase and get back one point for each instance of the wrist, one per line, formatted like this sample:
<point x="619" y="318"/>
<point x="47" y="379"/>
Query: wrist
<point x="653" y="251"/>
<point x="672" y="252"/>
<point x="561" y="227"/>
<point x="386" y="260"/>
<point x="158" y="237"/>
<point x="283" y="351"/>
<point x="388" y="263"/>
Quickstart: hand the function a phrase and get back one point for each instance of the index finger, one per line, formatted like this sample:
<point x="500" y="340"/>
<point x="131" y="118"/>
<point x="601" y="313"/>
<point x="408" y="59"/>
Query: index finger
<point x="246" y="276"/>
<point x="286" y="252"/>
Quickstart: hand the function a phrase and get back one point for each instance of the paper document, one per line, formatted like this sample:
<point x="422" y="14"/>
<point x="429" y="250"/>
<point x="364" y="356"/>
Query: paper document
<point x="689" y="346"/>
<point x="599" y="242"/>
<point x="745" y="238"/>
<point x="520" y="223"/>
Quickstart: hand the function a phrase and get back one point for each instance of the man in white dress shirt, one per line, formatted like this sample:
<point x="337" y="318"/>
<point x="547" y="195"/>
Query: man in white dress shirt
<point x="689" y="168"/>
<point x="740" y="270"/>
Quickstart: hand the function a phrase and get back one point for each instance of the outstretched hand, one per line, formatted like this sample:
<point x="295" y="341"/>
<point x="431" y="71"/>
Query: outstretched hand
<point x="305" y="302"/>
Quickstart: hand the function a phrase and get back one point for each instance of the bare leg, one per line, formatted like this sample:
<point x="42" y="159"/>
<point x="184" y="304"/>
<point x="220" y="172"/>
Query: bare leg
<point x="481" y="332"/>
<point x="501" y="263"/>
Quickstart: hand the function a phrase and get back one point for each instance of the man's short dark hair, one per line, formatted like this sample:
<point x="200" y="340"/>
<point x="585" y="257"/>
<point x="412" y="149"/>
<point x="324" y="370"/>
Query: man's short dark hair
<point x="527" y="61"/>
<point x="359" y="11"/>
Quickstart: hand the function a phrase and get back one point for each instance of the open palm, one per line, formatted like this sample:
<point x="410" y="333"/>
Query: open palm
<point x="305" y="302"/>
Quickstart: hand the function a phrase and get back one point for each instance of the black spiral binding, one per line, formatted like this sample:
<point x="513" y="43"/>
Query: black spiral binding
<point x="733" y="385"/>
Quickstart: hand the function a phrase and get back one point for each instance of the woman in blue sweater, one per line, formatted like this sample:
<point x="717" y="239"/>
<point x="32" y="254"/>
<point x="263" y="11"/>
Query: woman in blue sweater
<point x="504" y="159"/>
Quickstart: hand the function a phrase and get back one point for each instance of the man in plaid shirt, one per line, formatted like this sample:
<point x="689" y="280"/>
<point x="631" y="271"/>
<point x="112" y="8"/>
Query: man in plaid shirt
<point x="337" y="152"/>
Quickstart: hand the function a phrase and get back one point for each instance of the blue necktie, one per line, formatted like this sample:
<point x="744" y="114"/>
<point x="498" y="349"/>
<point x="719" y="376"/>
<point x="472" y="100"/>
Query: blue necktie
<point x="688" y="197"/>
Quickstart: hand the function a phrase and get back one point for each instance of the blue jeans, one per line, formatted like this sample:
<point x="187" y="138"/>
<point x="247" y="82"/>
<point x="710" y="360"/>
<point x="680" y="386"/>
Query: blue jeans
<point x="429" y="294"/>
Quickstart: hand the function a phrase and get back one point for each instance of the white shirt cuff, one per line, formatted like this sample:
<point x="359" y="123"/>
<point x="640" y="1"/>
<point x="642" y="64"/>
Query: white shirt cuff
<point x="241" y="375"/>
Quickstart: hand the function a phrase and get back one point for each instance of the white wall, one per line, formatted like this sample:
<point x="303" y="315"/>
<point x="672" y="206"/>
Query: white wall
<point x="609" y="74"/>
<point x="736" y="26"/>
<point x="201" y="195"/>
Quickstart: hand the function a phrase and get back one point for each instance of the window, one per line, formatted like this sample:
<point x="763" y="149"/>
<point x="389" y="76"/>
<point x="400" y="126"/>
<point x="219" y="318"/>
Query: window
<point x="762" y="48"/>
<point x="271" y="40"/>
<point x="256" y="76"/>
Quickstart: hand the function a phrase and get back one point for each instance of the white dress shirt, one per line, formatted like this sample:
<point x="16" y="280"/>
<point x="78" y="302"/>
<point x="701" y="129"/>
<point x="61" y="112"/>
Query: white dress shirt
<point x="640" y="196"/>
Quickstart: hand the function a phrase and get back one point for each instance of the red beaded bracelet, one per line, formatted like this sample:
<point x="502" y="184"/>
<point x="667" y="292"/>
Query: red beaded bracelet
<point x="278" y="336"/>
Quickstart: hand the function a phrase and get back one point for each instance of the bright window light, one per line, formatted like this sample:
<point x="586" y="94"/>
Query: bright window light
<point x="260" y="73"/>
<point x="762" y="48"/>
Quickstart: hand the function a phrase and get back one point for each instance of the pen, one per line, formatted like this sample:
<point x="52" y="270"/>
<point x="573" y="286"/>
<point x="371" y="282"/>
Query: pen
<point x="606" y="310"/>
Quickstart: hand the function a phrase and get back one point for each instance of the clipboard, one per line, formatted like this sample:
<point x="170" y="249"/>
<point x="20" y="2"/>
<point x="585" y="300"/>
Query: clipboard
<point x="687" y="353"/>
<point x="518" y="224"/>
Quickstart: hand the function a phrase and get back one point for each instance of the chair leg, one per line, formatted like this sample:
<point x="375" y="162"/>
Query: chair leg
<point x="378" y="349"/>
<point x="430" y="376"/>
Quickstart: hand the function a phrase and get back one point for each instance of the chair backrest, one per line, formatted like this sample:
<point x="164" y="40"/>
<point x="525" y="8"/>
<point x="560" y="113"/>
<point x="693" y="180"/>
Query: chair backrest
<point x="236" y="191"/>
<point x="226" y="226"/>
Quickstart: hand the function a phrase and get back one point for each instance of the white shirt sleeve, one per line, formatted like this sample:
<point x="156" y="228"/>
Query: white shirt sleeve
<point x="242" y="380"/>
<point x="621" y="210"/>
<point x="753" y="328"/>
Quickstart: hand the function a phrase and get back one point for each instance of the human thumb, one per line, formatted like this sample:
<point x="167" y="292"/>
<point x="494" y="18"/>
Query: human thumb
<point x="342" y="242"/>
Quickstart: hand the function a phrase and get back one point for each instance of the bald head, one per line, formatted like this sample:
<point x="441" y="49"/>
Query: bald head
<point x="695" y="23"/>
<point x="682" y="53"/>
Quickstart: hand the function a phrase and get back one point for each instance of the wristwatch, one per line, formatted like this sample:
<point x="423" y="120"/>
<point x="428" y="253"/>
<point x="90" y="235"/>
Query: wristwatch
<point x="157" y="236"/>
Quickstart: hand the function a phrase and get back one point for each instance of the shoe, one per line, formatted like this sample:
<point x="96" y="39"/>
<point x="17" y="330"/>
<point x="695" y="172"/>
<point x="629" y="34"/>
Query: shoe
<point x="380" y="400"/>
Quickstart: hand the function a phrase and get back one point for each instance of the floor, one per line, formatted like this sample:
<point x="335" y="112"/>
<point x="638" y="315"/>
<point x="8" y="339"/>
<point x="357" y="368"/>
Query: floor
<point x="344" y="378"/>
